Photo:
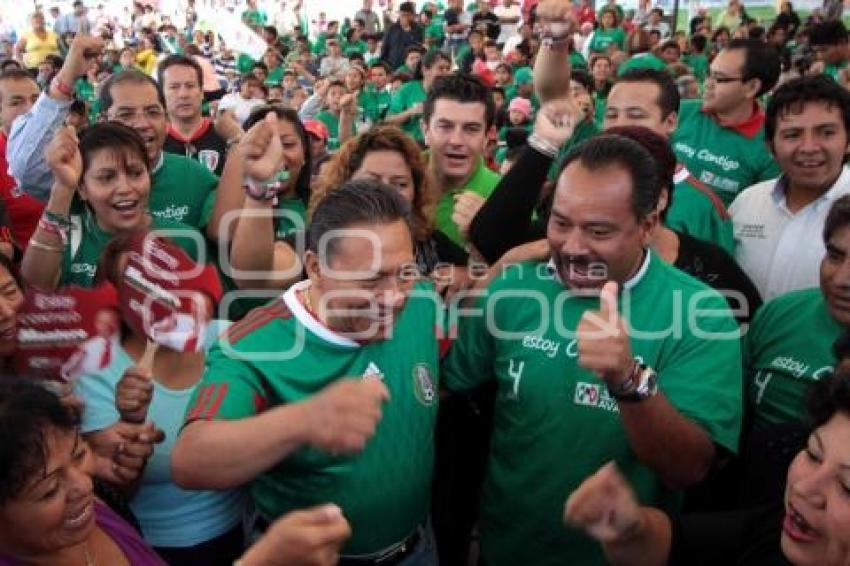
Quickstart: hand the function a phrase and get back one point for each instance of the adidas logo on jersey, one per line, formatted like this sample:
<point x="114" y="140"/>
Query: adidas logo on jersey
<point x="372" y="370"/>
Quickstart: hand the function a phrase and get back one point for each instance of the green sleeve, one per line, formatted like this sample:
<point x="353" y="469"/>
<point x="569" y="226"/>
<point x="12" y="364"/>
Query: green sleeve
<point x="207" y="209"/>
<point x="701" y="376"/>
<point x="469" y="360"/>
<point x="771" y="169"/>
<point x="229" y="390"/>
<point x="398" y="103"/>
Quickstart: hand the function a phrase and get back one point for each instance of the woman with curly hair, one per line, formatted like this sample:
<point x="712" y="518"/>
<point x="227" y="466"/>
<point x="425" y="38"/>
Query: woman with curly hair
<point x="387" y="154"/>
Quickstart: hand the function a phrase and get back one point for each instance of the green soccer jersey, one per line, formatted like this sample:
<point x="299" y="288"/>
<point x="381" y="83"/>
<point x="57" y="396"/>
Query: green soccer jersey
<point x="697" y="211"/>
<point x="358" y="47"/>
<point x="332" y="123"/>
<point x="698" y="64"/>
<point x="372" y="104"/>
<point x="183" y="190"/>
<point x="482" y="182"/>
<point x="577" y="60"/>
<point x="275" y="76"/>
<point x="280" y="354"/>
<point x="585" y="130"/>
<point x="293" y="218"/>
<point x="788" y="347"/>
<point x="87" y="240"/>
<point x="555" y="423"/>
<point x="720" y="157"/>
<point x="408" y="95"/>
<point x="602" y="38"/>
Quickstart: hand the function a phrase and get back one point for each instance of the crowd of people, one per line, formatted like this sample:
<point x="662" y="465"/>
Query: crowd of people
<point x="506" y="283"/>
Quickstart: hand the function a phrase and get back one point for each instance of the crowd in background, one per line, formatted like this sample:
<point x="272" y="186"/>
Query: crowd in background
<point x="505" y="283"/>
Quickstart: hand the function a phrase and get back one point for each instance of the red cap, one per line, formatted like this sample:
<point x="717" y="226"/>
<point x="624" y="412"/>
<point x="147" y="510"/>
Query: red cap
<point x="317" y="128"/>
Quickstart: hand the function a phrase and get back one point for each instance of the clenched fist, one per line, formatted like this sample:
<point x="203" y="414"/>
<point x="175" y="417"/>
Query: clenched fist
<point x="344" y="415"/>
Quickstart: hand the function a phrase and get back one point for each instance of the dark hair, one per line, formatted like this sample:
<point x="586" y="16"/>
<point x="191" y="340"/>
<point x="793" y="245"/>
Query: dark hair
<point x="668" y="92"/>
<point x="16" y="75"/>
<point x="793" y="95"/>
<point x="608" y="150"/>
<point x="761" y="61"/>
<point x="837" y="218"/>
<point x="662" y="154"/>
<point x="583" y="78"/>
<point x="28" y="412"/>
<point x="260" y="65"/>
<point x="356" y="202"/>
<point x="828" y="33"/>
<point x="115" y="137"/>
<point x="4" y="66"/>
<point x="671" y="43"/>
<point x="270" y="30"/>
<point x="829" y="395"/>
<point x="382" y="65"/>
<point x="302" y="184"/>
<point x="179" y="61"/>
<point x="698" y="43"/>
<point x="129" y="76"/>
<point x="756" y="32"/>
<point x="460" y="87"/>
<point x="429" y="60"/>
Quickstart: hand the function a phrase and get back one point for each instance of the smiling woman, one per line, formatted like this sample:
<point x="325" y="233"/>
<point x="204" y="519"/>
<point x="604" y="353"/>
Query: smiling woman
<point x="109" y="169"/>
<point x="810" y="528"/>
<point x="48" y="510"/>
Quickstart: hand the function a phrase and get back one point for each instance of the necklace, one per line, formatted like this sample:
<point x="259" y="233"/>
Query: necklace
<point x="90" y="560"/>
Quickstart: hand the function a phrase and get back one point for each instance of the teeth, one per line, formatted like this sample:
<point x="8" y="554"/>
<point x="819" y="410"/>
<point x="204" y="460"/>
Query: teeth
<point x="75" y="522"/>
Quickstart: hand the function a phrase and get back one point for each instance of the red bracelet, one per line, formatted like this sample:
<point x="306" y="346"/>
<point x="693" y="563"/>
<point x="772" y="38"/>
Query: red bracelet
<point x="62" y="87"/>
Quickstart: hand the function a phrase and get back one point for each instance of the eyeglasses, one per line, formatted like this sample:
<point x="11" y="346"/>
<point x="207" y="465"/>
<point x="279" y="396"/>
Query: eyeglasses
<point x="128" y="115"/>
<point x="722" y="79"/>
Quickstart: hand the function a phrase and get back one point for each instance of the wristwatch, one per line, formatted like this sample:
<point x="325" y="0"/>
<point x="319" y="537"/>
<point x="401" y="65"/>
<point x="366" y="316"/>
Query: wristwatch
<point x="641" y="385"/>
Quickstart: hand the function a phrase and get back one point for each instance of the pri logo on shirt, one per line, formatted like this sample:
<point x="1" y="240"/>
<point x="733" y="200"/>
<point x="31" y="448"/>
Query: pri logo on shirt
<point x="594" y="395"/>
<point x="423" y="385"/>
<point x="209" y="157"/>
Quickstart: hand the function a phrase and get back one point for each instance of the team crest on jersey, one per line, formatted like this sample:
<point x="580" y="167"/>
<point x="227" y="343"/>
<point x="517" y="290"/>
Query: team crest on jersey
<point x="423" y="385"/>
<point x="209" y="157"/>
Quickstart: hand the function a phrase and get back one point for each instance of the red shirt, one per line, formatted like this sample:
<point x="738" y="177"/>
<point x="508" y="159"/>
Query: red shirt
<point x="23" y="210"/>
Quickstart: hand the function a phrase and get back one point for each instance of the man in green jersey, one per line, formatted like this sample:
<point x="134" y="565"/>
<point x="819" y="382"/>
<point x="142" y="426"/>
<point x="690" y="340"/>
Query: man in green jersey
<point x="329" y="393"/>
<point x="456" y="115"/>
<point x="790" y="342"/>
<point x="645" y="376"/>
<point x="721" y="138"/>
<point x="650" y="98"/>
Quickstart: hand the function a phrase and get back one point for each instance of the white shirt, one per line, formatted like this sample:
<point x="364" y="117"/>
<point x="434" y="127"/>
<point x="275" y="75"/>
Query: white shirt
<point x="781" y="251"/>
<point x="508" y="30"/>
<point x="241" y="106"/>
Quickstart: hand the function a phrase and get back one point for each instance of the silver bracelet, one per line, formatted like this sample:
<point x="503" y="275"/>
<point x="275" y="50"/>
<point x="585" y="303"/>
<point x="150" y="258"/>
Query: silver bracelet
<point x="543" y="146"/>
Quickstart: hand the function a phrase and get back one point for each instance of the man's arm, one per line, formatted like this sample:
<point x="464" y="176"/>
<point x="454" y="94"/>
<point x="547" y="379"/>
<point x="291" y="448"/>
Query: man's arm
<point x="227" y="454"/>
<point x="222" y="454"/>
<point x="655" y="428"/>
<point x="32" y="131"/>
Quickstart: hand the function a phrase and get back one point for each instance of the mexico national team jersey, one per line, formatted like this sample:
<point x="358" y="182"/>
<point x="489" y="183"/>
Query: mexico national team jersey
<point x="697" y="211"/>
<point x="788" y="347"/>
<point x="555" y="423"/>
<point x="204" y="146"/>
<point x="280" y="354"/>
<point x="182" y="190"/>
<point x="723" y="158"/>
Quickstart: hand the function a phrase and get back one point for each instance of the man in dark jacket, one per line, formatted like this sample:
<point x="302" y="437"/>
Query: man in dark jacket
<point x="401" y="35"/>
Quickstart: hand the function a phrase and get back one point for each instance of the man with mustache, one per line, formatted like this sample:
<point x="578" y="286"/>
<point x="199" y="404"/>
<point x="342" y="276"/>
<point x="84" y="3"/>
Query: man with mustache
<point x="639" y="373"/>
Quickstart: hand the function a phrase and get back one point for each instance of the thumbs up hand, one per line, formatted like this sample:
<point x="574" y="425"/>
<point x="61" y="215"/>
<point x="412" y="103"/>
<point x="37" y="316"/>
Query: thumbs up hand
<point x="603" y="342"/>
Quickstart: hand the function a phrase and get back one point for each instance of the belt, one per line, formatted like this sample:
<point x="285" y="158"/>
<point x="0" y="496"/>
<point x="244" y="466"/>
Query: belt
<point x="389" y="556"/>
